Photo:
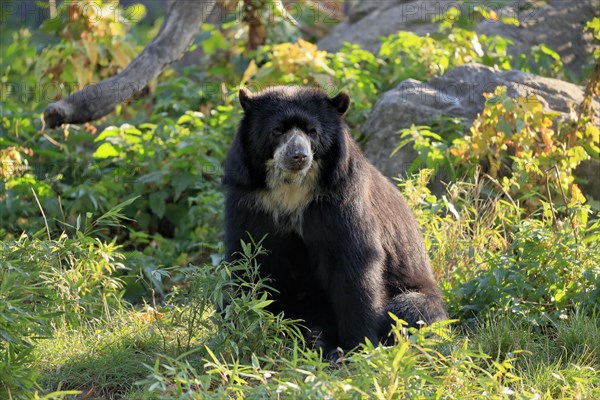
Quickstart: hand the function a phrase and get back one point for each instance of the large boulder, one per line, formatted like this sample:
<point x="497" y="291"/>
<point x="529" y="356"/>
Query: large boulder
<point x="557" y="23"/>
<point x="459" y="93"/>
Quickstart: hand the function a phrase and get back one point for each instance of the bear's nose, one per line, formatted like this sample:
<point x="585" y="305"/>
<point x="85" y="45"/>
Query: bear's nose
<point x="299" y="156"/>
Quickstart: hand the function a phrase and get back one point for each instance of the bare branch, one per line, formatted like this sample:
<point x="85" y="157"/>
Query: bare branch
<point x="95" y="101"/>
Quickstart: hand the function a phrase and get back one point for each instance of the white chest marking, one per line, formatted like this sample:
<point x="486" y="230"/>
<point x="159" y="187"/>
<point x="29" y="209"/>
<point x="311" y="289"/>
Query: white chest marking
<point x="288" y="195"/>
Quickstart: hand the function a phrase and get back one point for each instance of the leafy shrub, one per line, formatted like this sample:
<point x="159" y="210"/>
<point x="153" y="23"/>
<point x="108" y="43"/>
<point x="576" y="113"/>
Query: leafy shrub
<point x="493" y="260"/>
<point x="516" y="141"/>
<point x="18" y="62"/>
<point x="93" y="42"/>
<point x="357" y="72"/>
<point x="246" y="323"/>
<point x="299" y="63"/>
<point x="531" y="157"/>
<point x="352" y="69"/>
<point x="174" y="167"/>
<point x="543" y="61"/>
<point x="176" y="170"/>
<point x="52" y="282"/>
<point x="245" y="329"/>
<point x="408" y="55"/>
<point x="541" y="277"/>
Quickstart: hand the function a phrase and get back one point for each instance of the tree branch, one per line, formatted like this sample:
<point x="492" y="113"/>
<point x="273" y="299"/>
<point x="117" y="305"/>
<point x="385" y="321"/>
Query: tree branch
<point x="95" y="101"/>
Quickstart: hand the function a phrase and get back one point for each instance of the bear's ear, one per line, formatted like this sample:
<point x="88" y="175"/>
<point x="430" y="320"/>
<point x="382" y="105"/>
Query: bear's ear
<point x="245" y="98"/>
<point x="341" y="102"/>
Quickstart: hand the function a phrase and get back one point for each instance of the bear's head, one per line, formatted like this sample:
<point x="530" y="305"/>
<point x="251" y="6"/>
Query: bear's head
<point x="287" y="134"/>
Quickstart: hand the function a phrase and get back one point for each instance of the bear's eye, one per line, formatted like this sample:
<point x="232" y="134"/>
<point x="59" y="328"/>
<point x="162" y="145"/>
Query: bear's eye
<point x="277" y="132"/>
<point x="312" y="132"/>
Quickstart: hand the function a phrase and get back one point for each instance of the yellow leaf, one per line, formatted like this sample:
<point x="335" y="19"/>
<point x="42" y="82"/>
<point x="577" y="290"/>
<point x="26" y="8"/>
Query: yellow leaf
<point x="119" y="56"/>
<point x="576" y="195"/>
<point x="531" y="104"/>
<point x="147" y="316"/>
<point x="249" y="72"/>
<point x="545" y="135"/>
<point x="84" y="74"/>
<point x="307" y="45"/>
<point x="91" y="49"/>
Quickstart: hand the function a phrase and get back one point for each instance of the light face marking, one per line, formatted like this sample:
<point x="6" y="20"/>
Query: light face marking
<point x="289" y="191"/>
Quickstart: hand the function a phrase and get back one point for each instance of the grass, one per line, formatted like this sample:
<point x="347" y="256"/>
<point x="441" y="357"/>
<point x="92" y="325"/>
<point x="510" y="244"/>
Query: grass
<point x="103" y="358"/>
<point x="136" y="356"/>
<point x="562" y="363"/>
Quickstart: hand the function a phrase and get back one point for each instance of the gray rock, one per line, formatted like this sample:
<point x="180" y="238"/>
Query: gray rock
<point x="459" y="93"/>
<point x="557" y="23"/>
<point x="358" y="9"/>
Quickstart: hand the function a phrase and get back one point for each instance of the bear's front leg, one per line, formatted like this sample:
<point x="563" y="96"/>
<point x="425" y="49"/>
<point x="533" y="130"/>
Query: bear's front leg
<point x="349" y="266"/>
<point x="356" y="296"/>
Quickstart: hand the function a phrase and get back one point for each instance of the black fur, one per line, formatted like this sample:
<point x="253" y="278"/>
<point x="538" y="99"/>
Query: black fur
<point x="349" y="254"/>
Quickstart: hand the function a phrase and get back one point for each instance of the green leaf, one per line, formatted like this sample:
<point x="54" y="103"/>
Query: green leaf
<point x="520" y="124"/>
<point x="106" y="150"/>
<point x="215" y="42"/>
<point x="108" y="132"/>
<point x="255" y="363"/>
<point x="181" y="182"/>
<point x="510" y="21"/>
<point x="576" y="155"/>
<point x="548" y="51"/>
<point x="262" y="304"/>
<point x="157" y="203"/>
<point x="148" y="126"/>
<point x="184" y="118"/>
<point x="5" y="335"/>
<point x="504" y="126"/>
<point x="153" y="177"/>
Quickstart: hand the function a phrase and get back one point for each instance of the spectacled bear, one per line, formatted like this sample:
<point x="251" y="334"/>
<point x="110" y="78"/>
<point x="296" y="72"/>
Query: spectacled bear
<point x="344" y="248"/>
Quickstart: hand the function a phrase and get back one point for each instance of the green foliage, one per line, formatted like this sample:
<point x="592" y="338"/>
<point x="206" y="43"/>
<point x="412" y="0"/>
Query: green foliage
<point x="419" y="367"/>
<point x="174" y="167"/>
<point x="245" y="329"/>
<point x="495" y="261"/>
<point x="564" y="365"/>
<point x="542" y="276"/>
<point x="18" y="60"/>
<point x="93" y="44"/>
<point x="594" y="27"/>
<point x="518" y="146"/>
<point x="516" y="134"/>
<point x="543" y="61"/>
<point x="52" y="282"/>
<point x="86" y="42"/>
<point x="432" y="149"/>
<point x="357" y="72"/>
<point x="352" y="70"/>
<point x="408" y="55"/>
<point x="245" y="323"/>
<point x="477" y="12"/>
<point x="101" y="358"/>
<point x="19" y="87"/>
